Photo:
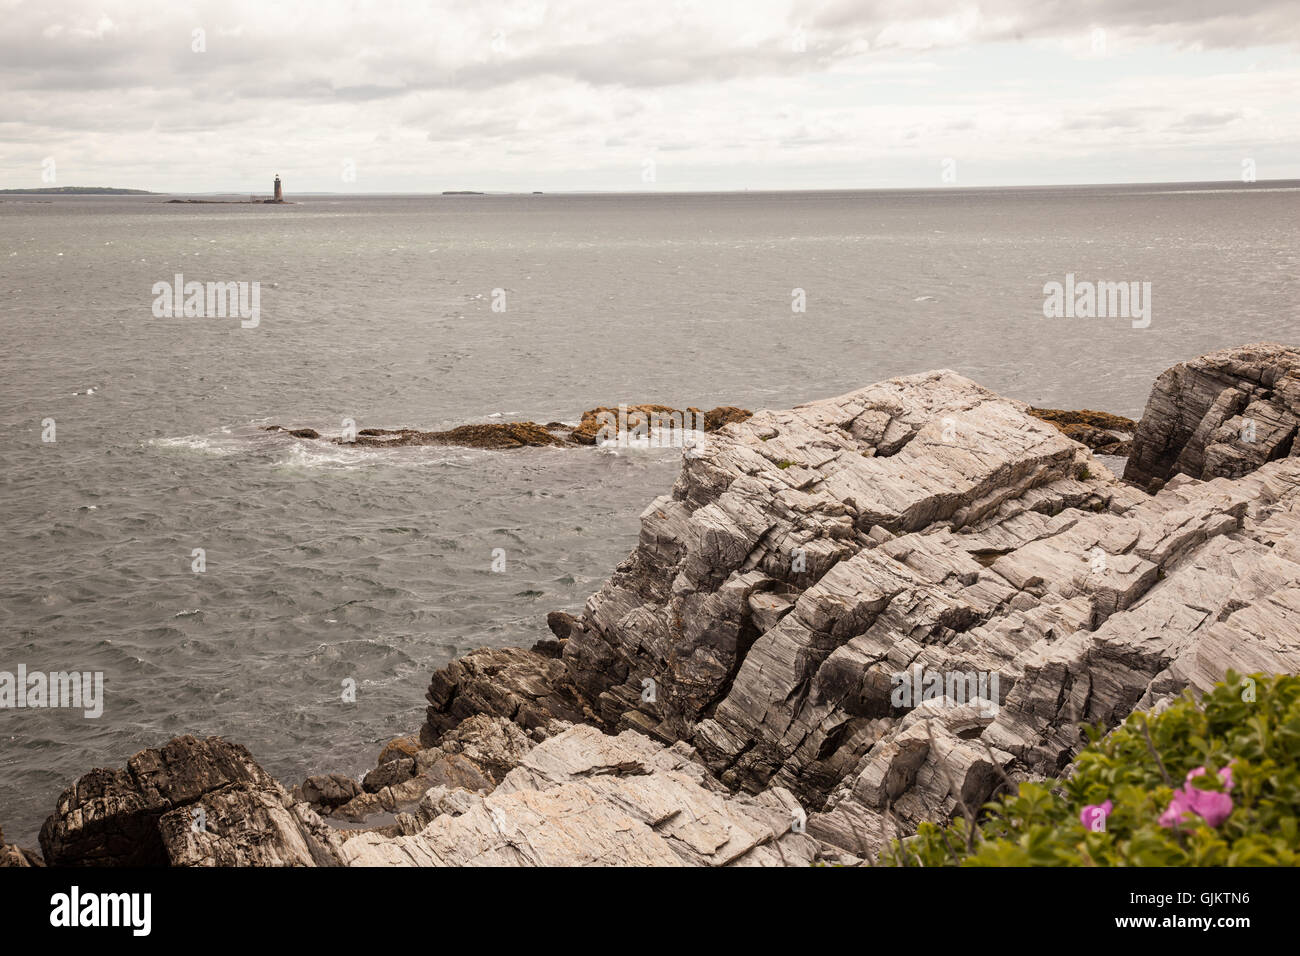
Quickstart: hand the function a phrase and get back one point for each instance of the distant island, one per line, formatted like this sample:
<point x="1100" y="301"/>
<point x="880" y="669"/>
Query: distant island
<point x="234" y="202"/>
<point x="461" y="192"/>
<point x="79" y="191"/>
<point x="276" y="200"/>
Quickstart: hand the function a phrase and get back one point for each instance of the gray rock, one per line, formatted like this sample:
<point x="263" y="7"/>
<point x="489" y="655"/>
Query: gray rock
<point x="808" y="559"/>
<point x="584" y="798"/>
<point x="525" y="686"/>
<point x="1221" y="415"/>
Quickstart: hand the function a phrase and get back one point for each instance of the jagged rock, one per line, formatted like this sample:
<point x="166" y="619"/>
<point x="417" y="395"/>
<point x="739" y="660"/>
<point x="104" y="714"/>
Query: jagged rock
<point x="473" y="756"/>
<point x="807" y="559"/>
<point x="438" y="768"/>
<point x="521" y="685"/>
<point x="436" y="801"/>
<point x="584" y="798"/>
<point x="12" y="855"/>
<point x="241" y="827"/>
<point x="549" y="648"/>
<point x="1220" y="415"/>
<point x="796" y="505"/>
<point x="191" y="802"/>
<point x="495" y="745"/>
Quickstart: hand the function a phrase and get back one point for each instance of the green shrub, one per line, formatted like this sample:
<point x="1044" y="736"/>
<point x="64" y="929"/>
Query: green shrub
<point x="1242" y="744"/>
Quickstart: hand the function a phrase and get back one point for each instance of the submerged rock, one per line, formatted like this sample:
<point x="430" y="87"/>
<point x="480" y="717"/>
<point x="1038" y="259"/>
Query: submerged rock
<point x="295" y="432"/>
<point x="496" y="435"/>
<point x="509" y="435"/>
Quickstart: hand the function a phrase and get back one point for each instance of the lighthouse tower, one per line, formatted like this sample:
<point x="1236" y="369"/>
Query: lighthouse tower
<point x="279" y="192"/>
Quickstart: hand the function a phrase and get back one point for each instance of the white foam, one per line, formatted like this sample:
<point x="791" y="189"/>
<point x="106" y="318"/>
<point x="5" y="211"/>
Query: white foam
<point x="680" y="441"/>
<point x="199" y="443"/>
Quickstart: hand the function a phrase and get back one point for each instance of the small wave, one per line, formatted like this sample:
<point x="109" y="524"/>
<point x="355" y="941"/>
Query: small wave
<point x="279" y="449"/>
<point x="323" y="455"/>
<point x="200" y="443"/>
<point x="688" y="440"/>
<point x="348" y="457"/>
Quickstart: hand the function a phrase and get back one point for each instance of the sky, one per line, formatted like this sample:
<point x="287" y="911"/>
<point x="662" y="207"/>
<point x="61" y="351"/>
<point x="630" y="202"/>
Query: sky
<point x="352" y="96"/>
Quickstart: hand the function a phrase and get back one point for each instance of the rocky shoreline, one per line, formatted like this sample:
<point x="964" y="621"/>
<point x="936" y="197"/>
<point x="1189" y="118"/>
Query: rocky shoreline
<point x="730" y="695"/>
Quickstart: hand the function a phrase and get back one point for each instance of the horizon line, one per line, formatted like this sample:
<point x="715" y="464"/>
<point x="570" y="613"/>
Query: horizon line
<point x="1237" y="183"/>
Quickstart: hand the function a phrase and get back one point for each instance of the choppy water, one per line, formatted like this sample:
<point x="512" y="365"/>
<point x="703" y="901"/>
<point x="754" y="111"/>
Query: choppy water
<point x="328" y="563"/>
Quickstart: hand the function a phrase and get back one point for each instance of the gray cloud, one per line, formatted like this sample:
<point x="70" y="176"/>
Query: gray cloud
<point x="113" y="87"/>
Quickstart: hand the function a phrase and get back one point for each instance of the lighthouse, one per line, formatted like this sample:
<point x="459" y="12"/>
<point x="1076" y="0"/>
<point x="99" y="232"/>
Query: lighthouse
<point x="279" y="192"/>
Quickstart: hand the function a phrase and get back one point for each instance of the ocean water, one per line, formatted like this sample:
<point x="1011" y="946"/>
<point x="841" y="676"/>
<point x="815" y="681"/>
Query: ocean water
<point x="329" y="564"/>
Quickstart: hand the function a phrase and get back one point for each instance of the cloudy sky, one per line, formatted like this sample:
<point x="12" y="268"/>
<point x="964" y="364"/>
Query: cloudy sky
<point x="361" y="96"/>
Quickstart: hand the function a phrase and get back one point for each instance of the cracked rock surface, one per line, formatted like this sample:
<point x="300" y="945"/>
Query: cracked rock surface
<point x="191" y="802"/>
<point x="1221" y="415"/>
<point x="805" y="559"/>
<point x="587" y="798"/>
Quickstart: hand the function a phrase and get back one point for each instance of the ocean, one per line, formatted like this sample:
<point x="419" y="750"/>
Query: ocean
<point x="326" y="566"/>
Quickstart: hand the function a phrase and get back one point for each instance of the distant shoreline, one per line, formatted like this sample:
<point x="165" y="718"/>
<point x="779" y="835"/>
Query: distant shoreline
<point x="78" y="191"/>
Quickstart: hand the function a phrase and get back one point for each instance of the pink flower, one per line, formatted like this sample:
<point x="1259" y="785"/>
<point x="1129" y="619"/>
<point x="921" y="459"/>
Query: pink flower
<point x="1211" y="806"/>
<point x="1225" y="774"/>
<point x="1190" y="801"/>
<point x="1177" y="809"/>
<point x="1093" y="816"/>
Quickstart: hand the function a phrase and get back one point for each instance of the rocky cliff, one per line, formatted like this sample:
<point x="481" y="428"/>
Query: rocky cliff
<point x="846" y="618"/>
<point x="1221" y="415"/>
